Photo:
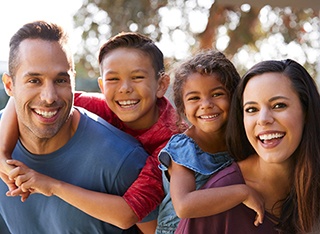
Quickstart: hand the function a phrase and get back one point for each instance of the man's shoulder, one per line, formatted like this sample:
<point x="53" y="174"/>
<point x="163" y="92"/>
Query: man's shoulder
<point x="95" y="123"/>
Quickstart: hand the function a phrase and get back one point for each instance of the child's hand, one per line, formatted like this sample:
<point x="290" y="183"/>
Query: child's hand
<point x="10" y="183"/>
<point x="28" y="180"/>
<point x="5" y="169"/>
<point x="255" y="202"/>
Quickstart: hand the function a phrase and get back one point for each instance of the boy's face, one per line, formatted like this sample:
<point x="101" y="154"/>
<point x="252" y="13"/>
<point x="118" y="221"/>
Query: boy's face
<point x="130" y="87"/>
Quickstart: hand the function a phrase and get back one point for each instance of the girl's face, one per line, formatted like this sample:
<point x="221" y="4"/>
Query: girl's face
<point x="273" y="116"/>
<point x="206" y="102"/>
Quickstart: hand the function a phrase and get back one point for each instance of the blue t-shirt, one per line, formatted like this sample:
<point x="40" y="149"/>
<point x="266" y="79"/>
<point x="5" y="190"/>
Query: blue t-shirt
<point x="98" y="157"/>
<point x="184" y="151"/>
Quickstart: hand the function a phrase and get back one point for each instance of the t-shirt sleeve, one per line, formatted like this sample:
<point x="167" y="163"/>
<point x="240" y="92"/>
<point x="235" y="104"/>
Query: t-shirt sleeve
<point x="146" y="193"/>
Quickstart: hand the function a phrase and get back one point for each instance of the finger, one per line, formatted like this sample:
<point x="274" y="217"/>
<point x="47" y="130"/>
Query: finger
<point x="21" y="179"/>
<point x="14" y="162"/>
<point x="24" y="196"/>
<point x="14" y="173"/>
<point x="15" y="192"/>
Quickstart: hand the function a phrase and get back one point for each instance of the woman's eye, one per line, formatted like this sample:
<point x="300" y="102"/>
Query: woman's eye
<point x="279" y="106"/>
<point x="250" y="109"/>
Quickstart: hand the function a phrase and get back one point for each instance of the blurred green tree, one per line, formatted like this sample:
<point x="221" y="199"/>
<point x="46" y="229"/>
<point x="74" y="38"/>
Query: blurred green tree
<point x="245" y="34"/>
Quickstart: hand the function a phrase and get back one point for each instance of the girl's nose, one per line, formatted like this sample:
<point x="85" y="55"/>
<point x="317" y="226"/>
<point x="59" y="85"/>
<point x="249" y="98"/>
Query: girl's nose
<point x="207" y="103"/>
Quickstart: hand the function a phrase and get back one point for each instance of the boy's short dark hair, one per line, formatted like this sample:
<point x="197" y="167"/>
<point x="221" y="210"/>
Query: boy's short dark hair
<point x="135" y="41"/>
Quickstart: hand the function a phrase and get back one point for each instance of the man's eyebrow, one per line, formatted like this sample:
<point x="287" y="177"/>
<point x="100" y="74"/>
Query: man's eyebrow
<point x="63" y="74"/>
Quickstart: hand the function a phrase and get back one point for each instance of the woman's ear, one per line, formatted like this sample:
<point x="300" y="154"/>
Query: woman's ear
<point x="8" y="84"/>
<point x="163" y="84"/>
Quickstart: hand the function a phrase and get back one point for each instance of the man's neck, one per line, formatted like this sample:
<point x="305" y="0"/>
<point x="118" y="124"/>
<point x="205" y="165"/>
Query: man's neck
<point x="36" y="145"/>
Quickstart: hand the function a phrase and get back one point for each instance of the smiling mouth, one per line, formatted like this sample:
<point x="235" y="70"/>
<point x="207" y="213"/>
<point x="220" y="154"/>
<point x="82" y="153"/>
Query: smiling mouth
<point x="127" y="103"/>
<point x="208" y="116"/>
<point x="269" y="137"/>
<point x="46" y="114"/>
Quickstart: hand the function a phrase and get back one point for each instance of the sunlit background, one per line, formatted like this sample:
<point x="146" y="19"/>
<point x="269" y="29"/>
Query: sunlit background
<point x="244" y="33"/>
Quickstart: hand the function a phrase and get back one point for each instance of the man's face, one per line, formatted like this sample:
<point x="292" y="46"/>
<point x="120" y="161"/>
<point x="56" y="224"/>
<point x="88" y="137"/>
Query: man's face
<point x="42" y="88"/>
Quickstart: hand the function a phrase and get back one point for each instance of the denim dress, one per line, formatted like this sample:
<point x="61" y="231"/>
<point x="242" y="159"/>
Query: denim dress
<point x="184" y="151"/>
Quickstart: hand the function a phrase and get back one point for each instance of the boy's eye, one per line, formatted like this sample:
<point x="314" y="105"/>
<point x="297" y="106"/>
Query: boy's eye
<point x="111" y="78"/>
<point x="138" y="77"/>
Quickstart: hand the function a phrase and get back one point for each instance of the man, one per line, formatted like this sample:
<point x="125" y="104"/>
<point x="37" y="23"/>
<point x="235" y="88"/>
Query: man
<point x="58" y="140"/>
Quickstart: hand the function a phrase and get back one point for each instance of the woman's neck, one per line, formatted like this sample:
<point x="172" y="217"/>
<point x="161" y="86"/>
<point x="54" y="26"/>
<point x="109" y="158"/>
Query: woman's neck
<point x="271" y="180"/>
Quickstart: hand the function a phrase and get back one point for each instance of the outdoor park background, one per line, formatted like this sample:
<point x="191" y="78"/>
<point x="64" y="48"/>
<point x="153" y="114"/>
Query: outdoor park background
<point x="246" y="33"/>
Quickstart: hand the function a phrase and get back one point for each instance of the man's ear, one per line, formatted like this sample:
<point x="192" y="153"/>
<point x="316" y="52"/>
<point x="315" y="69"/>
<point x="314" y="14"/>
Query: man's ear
<point x="8" y="83"/>
<point x="100" y="83"/>
<point x="163" y="84"/>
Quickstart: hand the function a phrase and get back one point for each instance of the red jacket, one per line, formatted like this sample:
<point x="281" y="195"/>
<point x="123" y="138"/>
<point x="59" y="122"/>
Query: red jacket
<point x="146" y="193"/>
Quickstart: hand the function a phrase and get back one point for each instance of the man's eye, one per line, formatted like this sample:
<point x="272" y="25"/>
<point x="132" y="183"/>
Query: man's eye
<point x="34" y="81"/>
<point x="61" y="81"/>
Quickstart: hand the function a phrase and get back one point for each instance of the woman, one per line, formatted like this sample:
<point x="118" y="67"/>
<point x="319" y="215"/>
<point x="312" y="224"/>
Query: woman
<point x="273" y="134"/>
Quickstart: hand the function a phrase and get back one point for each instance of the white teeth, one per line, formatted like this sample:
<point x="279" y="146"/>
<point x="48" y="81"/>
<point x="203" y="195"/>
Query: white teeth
<point x="46" y="114"/>
<point x="208" y="116"/>
<point x="127" y="103"/>
<point x="270" y="136"/>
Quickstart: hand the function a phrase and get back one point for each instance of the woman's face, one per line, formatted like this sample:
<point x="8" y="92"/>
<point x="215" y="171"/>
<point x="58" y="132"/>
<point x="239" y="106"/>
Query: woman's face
<point x="273" y="116"/>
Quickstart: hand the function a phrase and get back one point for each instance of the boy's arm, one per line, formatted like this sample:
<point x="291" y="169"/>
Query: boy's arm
<point x="106" y="207"/>
<point x="191" y="203"/>
<point x="9" y="134"/>
<point x="146" y="192"/>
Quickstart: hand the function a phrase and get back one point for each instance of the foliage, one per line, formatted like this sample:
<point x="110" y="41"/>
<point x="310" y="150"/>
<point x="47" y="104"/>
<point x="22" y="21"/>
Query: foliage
<point x="246" y="35"/>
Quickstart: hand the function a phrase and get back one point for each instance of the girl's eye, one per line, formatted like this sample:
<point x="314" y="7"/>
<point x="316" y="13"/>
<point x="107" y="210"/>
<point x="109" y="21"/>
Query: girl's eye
<point x="217" y="94"/>
<point x="193" y="98"/>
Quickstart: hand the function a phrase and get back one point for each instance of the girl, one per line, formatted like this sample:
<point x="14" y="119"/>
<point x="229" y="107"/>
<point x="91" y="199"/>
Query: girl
<point x="203" y="89"/>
